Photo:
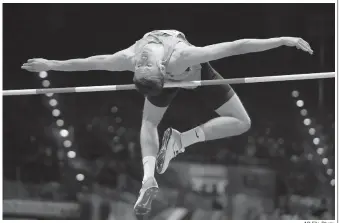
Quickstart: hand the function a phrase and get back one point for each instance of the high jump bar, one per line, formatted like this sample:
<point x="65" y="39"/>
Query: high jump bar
<point x="244" y="80"/>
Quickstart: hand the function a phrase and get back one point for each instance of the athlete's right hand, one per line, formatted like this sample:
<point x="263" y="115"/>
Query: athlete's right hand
<point x="36" y="65"/>
<point x="299" y="43"/>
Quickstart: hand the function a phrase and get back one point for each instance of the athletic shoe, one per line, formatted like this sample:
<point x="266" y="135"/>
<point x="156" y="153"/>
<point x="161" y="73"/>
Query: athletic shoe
<point x="147" y="194"/>
<point x="171" y="147"/>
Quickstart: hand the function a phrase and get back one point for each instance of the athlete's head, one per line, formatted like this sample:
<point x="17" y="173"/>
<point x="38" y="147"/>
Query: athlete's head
<point x="149" y="74"/>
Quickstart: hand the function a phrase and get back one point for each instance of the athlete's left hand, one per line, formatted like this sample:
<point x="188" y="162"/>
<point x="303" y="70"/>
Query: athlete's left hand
<point x="298" y="43"/>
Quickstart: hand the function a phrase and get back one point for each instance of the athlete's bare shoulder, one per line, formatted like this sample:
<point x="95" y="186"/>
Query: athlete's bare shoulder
<point x="129" y="55"/>
<point x="176" y="65"/>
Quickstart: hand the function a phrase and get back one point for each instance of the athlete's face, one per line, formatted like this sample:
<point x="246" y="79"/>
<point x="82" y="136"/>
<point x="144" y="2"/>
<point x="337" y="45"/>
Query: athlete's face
<point x="146" y="61"/>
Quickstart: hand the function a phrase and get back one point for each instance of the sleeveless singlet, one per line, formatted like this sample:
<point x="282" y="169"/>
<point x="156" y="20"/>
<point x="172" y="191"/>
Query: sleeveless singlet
<point x="169" y="39"/>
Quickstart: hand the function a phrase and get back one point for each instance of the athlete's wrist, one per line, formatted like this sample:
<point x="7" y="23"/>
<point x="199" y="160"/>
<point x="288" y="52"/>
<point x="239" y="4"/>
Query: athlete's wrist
<point x="283" y="41"/>
<point x="51" y="64"/>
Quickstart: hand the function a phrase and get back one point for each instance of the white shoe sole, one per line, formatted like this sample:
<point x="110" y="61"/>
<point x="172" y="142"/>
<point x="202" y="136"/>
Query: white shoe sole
<point x="144" y="204"/>
<point x="160" y="160"/>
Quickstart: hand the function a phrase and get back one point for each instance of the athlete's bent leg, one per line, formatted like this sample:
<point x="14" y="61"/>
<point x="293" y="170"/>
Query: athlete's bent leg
<point x="233" y="121"/>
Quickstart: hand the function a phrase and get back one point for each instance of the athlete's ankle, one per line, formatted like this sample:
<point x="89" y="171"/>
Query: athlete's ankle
<point x="145" y="179"/>
<point x="149" y="167"/>
<point x="192" y="136"/>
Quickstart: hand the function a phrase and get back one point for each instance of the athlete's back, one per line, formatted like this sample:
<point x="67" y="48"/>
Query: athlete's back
<point x="172" y="41"/>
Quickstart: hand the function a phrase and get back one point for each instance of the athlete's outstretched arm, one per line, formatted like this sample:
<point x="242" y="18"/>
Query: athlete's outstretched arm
<point x="196" y="55"/>
<point x="114" y="62"/>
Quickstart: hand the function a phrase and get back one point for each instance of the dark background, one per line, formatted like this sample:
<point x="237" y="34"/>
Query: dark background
<point x="64" y="31"/>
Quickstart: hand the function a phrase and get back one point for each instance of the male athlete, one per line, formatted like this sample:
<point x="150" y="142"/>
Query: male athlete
<point x="164" y="56"/>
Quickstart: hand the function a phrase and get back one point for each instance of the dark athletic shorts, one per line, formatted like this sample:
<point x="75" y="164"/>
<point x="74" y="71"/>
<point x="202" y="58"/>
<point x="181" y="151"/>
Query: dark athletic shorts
<point x="212" y="96"/>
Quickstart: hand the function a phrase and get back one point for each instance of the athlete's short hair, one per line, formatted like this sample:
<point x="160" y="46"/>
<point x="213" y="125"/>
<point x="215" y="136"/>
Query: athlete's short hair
<point x="148" y="82"/>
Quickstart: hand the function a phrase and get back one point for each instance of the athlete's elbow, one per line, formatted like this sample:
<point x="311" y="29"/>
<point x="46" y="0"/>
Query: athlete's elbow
<point x="222" y="50"/>
<point x="239" y="47"/>
<point x="93" y="64"/>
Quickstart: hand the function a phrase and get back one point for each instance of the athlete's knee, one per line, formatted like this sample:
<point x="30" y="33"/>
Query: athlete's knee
<point x="147" y="130"/>
<point x="244" y="119"/>
<point x="245" y="123"/>
<point x="150" y="121"/>
<point x="234" y="108"/>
